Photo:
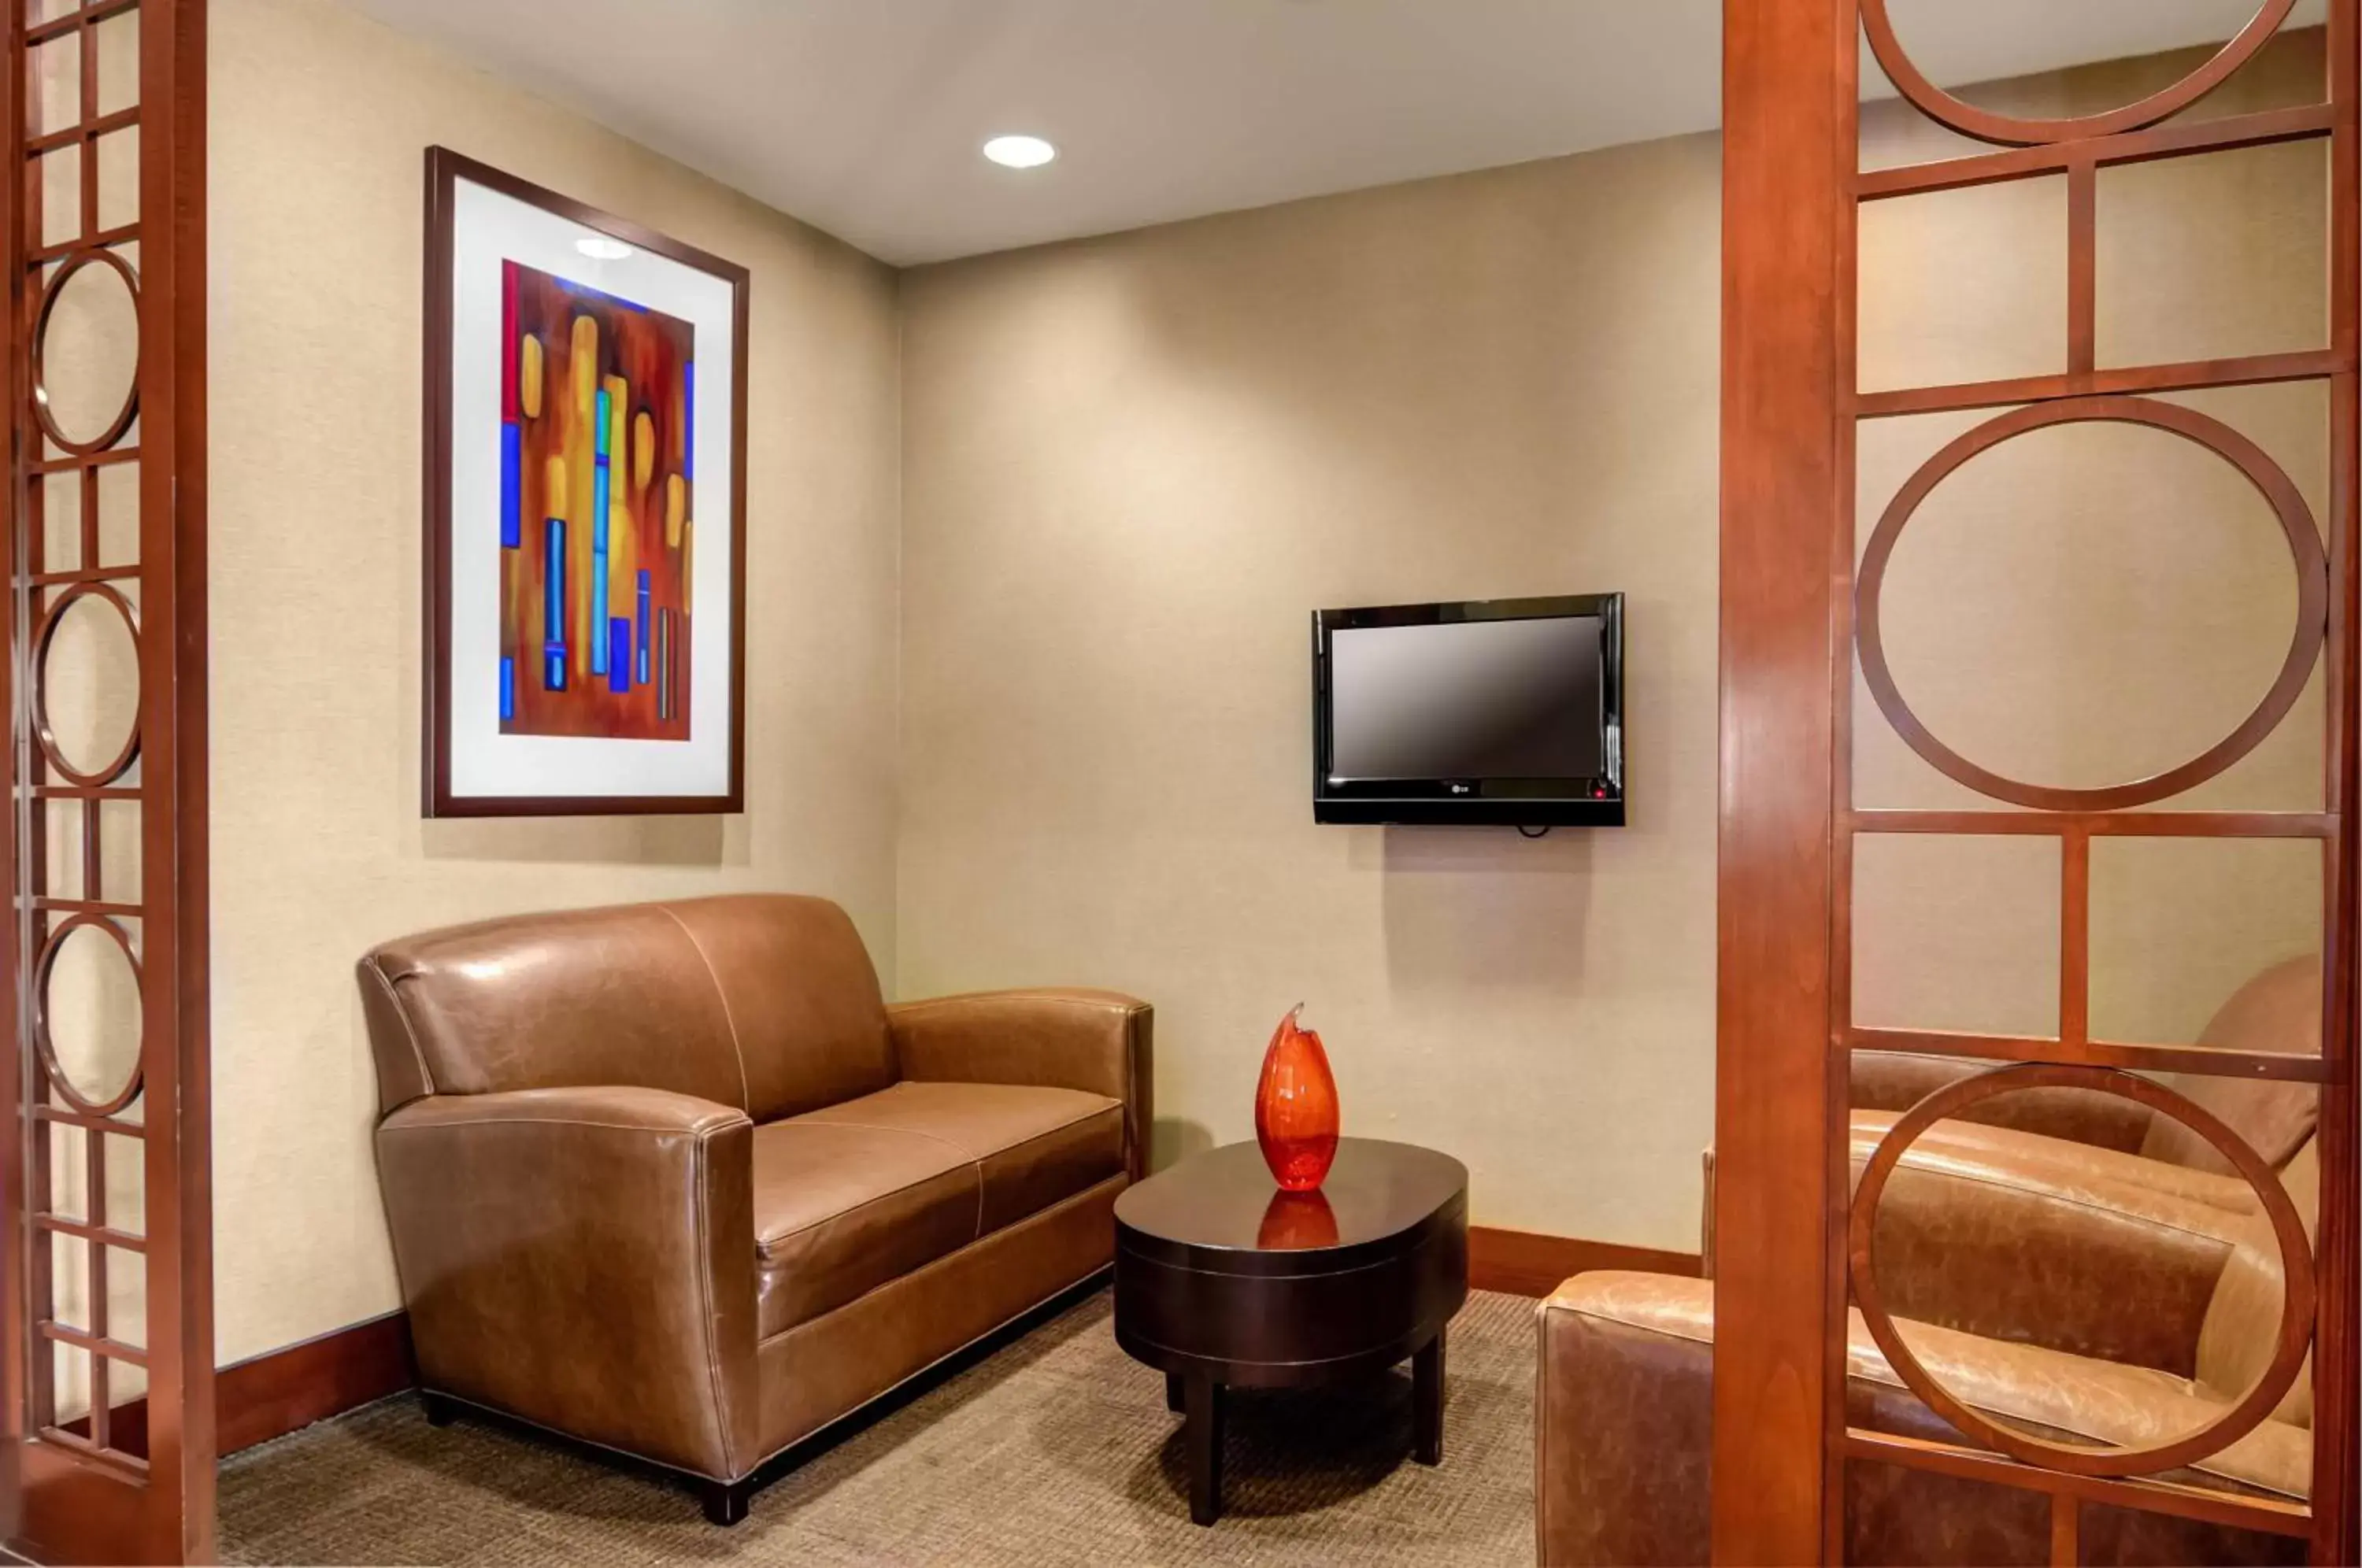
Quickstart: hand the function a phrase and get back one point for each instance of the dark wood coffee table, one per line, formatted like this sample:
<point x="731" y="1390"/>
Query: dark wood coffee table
<point x="1222" y="1280"/>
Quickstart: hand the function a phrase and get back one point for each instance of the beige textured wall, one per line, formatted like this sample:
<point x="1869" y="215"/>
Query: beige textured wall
<point x="1133" y="466"/>
<point x="318" y="119"/>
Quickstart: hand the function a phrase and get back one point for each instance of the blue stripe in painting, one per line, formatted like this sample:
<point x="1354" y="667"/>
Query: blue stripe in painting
<point x="512" y="490"/>
<point x="619" y="655"/>
<point x="584" y="291"/>
<point x="553" y="604"/>
<point x="599" y="608"/>
<point x="508" y="689"/>
<point x="640" y="635"/>
<point x="599" y="543"/>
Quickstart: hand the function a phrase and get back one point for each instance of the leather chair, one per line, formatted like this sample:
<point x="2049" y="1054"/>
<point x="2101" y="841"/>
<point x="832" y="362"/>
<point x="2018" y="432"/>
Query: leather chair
<point x="2112" y="1354"/>
<point x="2054" y="1139"/>
<point x="2065" y="1262"/>
<point x="2060" y="1134"/>
<point x="672" y="1179"/>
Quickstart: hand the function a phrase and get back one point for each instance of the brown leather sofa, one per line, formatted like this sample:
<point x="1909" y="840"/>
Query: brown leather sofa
<point x="672" y="1179"/>
<point x="2057" y="1134"/>
<point x="2083" y="1273"/>
<point x="2051" y="1139"/>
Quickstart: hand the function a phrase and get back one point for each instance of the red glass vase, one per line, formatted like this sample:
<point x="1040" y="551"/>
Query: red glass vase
<point x="1296" y="1108"/>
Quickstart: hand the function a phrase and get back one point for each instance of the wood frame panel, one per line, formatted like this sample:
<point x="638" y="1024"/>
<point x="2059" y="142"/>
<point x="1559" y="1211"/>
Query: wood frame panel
<point x="1789" y="84"/>
<point x="102" y="1488"/>
<point x="1787" y="295"/>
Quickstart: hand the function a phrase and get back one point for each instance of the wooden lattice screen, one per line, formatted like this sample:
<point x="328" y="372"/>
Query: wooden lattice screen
<point x="109" y="1354"/>
<point x="2319" y="1298"/>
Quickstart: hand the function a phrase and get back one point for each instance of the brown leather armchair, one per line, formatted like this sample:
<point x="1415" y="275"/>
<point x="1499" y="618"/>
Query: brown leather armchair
<point x="672" y="1179"/>
<point x="2048" y="1134"/>
<point x="2082" y="1271"/>
<point x="2053" y="1138"/>
<point x="1624" y="1396"/>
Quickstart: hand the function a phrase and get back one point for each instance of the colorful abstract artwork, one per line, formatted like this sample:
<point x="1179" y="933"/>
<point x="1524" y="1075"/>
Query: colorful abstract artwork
<point x="597" y="528"/>
<point x="586" y="511"/>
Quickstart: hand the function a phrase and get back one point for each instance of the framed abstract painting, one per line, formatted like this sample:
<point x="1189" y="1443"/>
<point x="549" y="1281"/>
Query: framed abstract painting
<point x="586" y="465"/>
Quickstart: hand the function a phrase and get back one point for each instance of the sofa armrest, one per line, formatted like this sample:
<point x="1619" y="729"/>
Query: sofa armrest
<point x="1623" y="1422"/>
<point x="1897" y="1081"/>
<point x="1624" y="1414"/>
<point x="1097" y="1041"/>
<point x="583" y="1258"/>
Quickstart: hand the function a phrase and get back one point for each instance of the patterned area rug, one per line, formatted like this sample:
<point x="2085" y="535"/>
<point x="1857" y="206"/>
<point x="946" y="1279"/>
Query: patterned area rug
<point x="1055" y="1450"/>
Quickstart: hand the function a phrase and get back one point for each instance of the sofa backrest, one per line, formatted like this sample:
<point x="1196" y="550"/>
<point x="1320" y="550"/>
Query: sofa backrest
<point x="2278" y="1010"/>
<point x="803" y="999"/>
<point x="763" y="1001"/>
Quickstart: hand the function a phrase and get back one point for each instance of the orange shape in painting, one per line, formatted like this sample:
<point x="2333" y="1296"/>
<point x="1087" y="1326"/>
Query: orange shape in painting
<point x="529" y="376"/>
<point x="643" y="449"/>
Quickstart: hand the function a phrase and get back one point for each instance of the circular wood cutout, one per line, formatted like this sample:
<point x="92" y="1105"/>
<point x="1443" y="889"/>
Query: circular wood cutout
<point x="51" y="620"/>
<point x="97" y="1103"/>
<point x="2009" y="131"/>
<point x="2270" y="480"/>
<point x="112" y="431"/>
<point x="2295" y="1332"/>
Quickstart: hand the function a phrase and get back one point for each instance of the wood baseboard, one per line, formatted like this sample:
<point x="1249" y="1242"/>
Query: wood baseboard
<point x="271" y="1395"/>
<point x="281" y="1391"/>
<point x="1526" y="1263"/>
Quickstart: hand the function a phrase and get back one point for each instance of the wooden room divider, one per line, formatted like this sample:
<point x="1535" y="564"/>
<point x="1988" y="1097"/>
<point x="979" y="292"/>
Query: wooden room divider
<point x="106" y="1380"/>
<point x="1802" y="624"/>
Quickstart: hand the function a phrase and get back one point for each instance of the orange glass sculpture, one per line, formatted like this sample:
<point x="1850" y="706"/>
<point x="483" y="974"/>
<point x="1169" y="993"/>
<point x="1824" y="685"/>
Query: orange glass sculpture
<point x="1296" y="1108"/>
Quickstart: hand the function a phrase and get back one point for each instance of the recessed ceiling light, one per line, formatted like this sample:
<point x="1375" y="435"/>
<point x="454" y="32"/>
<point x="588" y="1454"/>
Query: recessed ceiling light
<point x="599" y="247"/>
<point x="1020" y="152"/>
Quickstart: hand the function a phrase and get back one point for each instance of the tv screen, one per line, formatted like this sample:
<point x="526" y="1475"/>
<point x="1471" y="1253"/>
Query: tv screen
<point x="1465" y="700"/>
<point x="1502" y="712"/>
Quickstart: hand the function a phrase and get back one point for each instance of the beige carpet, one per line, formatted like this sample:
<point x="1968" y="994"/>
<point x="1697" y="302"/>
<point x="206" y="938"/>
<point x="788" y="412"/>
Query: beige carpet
<point x="1057" y="1450"/>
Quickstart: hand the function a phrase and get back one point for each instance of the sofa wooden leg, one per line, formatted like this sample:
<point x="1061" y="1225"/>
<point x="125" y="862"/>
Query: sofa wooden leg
<point x="441" y="1411"/>
<point x="1173" y="1394"/>
<point x="726" y="1501"/>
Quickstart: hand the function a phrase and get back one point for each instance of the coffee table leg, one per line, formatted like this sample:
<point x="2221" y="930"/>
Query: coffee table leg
<point x="1427" y="1401"/>
<point x="1173" y="1391"/>
<point x="1202" y="1431"/>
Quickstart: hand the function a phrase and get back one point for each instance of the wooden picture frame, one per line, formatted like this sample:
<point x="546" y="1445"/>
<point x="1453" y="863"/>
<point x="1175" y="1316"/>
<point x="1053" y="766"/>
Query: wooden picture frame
<point x="541" y="453"/>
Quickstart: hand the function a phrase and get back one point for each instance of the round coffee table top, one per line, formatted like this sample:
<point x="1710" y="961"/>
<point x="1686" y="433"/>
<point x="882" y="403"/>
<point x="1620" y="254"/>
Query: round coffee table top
<point x="1221" y="1210"/>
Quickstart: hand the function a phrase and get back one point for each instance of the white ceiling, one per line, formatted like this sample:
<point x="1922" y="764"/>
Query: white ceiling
<point x="864" y="116"/>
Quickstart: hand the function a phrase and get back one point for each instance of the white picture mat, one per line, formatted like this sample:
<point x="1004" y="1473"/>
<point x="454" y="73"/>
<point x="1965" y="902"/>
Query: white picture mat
<point x="487" y="229"/>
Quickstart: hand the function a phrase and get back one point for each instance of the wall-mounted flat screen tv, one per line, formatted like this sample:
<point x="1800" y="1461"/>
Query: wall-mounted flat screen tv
<point x="1507" y="712"/>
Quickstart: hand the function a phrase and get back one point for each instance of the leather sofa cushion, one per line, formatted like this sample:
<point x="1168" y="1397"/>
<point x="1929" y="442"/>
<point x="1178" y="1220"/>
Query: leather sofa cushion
<point x="802" y="994"/>
<point x="840" y="1210"/>
<point x="2080" y="1398"/>
<point x="855" y="1194"/>
<point x="1030" y="1146"/>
